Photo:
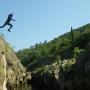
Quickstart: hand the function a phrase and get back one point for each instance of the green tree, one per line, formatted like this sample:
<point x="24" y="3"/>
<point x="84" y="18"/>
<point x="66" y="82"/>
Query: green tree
<point x="72" y="36"/>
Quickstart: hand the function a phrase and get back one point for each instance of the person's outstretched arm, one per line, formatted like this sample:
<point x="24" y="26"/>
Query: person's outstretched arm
<point x="13" y="19"/>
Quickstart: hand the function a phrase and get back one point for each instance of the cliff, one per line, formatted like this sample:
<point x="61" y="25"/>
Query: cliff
<point x="11" y="70"/>
<point x="44" y="60"/>
<point x="78" y="76"/>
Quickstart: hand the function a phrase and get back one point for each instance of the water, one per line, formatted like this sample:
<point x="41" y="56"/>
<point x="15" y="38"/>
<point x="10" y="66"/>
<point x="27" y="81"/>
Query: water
<point x="35" y="87"/>
<point x="25" y="88"/>
<point x="30" y="87"/>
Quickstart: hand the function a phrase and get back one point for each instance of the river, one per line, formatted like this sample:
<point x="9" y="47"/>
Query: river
<point x="34" y="88"/>
<point x="26" y="88"/>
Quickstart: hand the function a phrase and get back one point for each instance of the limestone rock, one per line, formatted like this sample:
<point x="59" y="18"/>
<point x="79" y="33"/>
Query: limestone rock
<point x="11" y="70"/>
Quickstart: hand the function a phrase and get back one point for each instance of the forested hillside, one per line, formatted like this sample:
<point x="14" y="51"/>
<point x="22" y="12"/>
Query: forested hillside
<point x="67" y="45"/>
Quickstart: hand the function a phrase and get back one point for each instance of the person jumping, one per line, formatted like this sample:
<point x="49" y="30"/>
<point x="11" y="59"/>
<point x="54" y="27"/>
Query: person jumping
<point x="7" y="22"/>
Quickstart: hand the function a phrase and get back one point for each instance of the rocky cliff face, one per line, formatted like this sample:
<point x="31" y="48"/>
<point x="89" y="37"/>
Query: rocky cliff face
<point x="73" y="75"/>
<point x="78" y="77"/>
<point x="11" y="70"/>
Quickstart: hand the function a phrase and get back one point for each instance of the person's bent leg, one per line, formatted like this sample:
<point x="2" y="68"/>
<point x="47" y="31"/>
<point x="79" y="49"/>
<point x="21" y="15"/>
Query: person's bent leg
<point x="10" y="26"/>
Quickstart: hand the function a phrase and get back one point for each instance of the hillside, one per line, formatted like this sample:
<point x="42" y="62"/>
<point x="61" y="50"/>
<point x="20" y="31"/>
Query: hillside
<point x="61" y="64"/>
<point x="47" y="53"/>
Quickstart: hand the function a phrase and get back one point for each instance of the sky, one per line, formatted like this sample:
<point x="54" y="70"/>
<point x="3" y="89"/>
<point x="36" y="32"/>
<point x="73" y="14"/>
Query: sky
<point x="40" y="20"/>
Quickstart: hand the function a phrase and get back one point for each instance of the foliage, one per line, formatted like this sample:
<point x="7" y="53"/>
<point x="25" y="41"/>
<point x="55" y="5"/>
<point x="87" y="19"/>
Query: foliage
<point x="76" y="52"/>
<point x="46" y="53"/>
<point x="2" y="36"/>
<point x="72" y="35"/>
<point x="67" y="64"/>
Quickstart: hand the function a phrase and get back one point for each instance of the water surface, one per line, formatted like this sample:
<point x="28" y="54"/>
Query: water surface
<point x="26" y="88"/>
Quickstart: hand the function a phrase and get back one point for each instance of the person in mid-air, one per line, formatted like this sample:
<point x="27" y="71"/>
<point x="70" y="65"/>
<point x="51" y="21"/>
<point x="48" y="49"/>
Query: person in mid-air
<point x="7" y="22"/>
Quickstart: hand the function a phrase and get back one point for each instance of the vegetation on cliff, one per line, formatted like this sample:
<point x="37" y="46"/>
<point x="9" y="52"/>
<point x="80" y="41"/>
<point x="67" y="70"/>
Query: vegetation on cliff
<point x="47" y="53"/>
<point x="63" y="62"/>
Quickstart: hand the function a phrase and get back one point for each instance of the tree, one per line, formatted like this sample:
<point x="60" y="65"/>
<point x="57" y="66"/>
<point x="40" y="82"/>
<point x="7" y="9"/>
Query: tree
<point x="72" y="36"/>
